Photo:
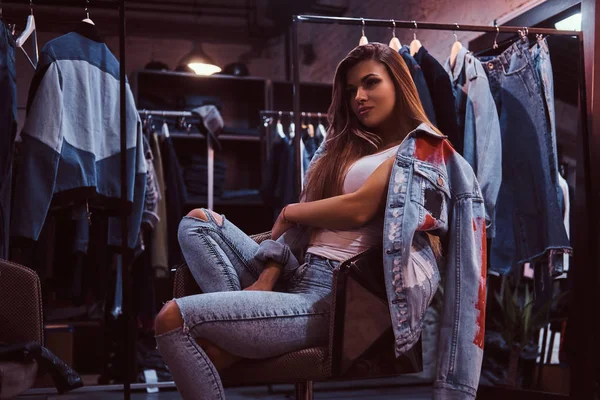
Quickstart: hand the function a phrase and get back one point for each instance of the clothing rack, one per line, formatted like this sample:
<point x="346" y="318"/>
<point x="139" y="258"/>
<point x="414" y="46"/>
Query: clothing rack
<point x="210" y="151"/>
<point x="582" y="360"/>
<point x="267" y="117"/>
<point x="291" y="113"/>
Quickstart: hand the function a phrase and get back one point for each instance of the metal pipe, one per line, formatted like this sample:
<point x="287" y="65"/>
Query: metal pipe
<point x="296" y="94"/>
<point x="291" y="113"/>
<point x="127" y="314"/>
<point x="584" y="242"/>
<point x="428" y="25"/>
<point x="166" y="113"/>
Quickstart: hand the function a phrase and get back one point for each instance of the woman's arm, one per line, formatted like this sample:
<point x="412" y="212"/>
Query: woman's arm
<point x="347" y="211"/>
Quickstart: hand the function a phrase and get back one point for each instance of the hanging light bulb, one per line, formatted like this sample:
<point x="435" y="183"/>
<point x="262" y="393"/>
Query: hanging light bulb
<point x="198" y="62"/>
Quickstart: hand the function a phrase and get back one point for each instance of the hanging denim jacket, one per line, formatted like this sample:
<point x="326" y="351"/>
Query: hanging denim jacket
<point x="432" y="189"/>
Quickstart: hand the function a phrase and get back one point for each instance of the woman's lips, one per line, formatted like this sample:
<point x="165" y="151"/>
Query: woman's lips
<point x="363" y="111"/>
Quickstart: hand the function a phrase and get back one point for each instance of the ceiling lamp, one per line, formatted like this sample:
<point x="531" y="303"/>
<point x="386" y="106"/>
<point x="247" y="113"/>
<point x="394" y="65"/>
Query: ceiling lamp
<point x="198" y="62"/>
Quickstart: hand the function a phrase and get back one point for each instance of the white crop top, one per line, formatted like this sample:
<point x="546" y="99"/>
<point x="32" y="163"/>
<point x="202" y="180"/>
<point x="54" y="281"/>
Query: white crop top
<point x="341" y="245"/>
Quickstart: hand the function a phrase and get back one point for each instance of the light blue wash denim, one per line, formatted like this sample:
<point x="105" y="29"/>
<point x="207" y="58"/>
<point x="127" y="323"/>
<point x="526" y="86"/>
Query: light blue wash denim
<point x="432" y="189"/>
<point x="478" y="121"/>
<point x="249" y="324"/>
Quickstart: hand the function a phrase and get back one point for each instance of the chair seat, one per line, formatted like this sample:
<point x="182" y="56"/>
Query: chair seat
<point x="304" y="365"/>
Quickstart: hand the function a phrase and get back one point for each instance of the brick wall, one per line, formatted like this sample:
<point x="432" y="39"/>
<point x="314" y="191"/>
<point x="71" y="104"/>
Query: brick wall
<point x="331" y="42"/>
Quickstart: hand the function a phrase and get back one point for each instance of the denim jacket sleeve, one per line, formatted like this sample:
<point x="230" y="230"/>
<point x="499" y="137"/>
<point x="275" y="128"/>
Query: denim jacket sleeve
<point x="462" y="326"/>
<point x="483" y="147"/>
<point x="42" y="141"/>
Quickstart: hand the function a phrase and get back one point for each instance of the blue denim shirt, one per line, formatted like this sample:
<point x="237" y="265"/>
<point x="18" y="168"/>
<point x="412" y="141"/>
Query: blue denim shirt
<point x="478" y="119"/>
<point x="432" y="189"/>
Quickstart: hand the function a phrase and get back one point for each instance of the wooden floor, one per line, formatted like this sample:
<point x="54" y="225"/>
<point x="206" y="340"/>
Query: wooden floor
<point x="337" y="390"/>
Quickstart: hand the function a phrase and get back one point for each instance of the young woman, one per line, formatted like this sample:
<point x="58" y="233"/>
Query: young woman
<point x="257" y="301"/>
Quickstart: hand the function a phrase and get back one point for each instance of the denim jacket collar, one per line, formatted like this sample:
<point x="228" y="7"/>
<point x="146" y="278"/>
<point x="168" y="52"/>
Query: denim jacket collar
<point x="427" y="130"/>
<point x="458" y="64"/>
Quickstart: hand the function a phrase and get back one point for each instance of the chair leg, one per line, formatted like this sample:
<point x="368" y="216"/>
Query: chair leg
<point x="304" y="390"/>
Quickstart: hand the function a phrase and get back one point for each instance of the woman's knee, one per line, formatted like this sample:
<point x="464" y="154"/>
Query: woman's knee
<point x="202" y="214"/>
<point x="168" y="319"/>
<point x="198" y="213"/>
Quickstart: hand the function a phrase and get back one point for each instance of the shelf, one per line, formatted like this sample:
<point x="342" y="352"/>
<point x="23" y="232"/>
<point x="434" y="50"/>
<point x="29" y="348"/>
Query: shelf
<point x="201" y="77"/>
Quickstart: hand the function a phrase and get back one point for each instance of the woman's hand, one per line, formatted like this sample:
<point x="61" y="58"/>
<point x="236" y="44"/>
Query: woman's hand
<point x="280" y="226"/>
<point x="268" y="277"/>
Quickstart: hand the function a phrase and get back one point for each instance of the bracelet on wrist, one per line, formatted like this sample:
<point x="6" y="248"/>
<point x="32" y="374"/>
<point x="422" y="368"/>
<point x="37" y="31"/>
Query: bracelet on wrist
<point x="287" y="221"/>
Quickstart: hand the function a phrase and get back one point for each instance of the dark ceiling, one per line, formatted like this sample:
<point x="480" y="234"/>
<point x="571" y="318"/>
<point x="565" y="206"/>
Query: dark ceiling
<point x="218" y="21"/>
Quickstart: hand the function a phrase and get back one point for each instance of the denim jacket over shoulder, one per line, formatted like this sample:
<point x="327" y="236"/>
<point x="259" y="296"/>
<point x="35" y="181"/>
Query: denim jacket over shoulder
<point x="433" y="189"/>
<point x="479" y="123"/>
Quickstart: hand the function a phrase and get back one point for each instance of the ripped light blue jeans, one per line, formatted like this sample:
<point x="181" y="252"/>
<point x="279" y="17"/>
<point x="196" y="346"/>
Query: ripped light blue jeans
<point x="249" y="324"/>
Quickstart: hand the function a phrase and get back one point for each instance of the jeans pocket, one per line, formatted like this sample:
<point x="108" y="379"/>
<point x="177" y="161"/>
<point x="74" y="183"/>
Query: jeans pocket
<point x="332" y="264"/>
<point x="299" y="274"/>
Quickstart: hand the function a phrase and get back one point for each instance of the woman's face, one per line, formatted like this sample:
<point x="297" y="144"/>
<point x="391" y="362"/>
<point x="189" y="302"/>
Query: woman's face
<point x="371" y="93"/>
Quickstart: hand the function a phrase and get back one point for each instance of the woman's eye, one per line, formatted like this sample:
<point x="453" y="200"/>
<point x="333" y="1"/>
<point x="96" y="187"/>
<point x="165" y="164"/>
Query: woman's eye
<point x="371" y="82"/>
<point x="351" y="91"/>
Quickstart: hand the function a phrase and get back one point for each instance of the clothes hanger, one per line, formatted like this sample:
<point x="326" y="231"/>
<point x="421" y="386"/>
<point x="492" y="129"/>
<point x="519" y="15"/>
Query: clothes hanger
<point x="311" y="128"/>
<point x="497" y="47"/>
<point x="279" y="126"/>
<point x="30" y="30"/>
<point x="363" y="39"/>
<point x="87" y="13"/>
<point x="456" y="47"/>
<point x="165" y="128"/>
<point x="320" y="127"/>
<point x="415" y="45"/>
<point x="395" y="42"/>
<point x="292" y="131"/>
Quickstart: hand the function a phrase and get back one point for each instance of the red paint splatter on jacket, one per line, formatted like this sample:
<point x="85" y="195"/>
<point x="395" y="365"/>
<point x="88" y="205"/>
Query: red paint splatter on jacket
<point x="428" y="224"/>
<point x="433" y="150"/>
<point x="480" y="306"/>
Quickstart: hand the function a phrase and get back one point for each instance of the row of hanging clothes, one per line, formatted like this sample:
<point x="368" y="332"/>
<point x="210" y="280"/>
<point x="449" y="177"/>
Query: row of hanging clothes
<point x="279" y="174"/>
<point x="497" y="109"/>
<point x="60" y="181"/>
<point x="68" y="152"/>
<point x="60" y="187"/>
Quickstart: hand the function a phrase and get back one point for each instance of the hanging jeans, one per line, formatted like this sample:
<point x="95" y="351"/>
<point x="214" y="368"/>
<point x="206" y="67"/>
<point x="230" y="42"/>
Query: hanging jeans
<point x="8" y="130"/>
<point x="540" y="56"/>
<point x="249" y="324"/>
<point x="528" y="215"/>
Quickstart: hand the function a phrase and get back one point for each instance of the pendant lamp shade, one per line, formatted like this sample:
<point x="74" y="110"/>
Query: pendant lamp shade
<point x="198" y="62"/>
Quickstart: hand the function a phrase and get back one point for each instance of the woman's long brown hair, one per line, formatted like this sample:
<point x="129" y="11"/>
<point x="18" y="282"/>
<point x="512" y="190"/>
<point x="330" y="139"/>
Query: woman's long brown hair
<point x="347" y="139"/>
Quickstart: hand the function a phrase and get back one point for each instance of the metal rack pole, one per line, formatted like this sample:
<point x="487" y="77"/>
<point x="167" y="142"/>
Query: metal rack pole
<point x="166" y="113"/>
<point x="427" y="25"/>
<point x="296" y="107"/>
<point x="128" y="317"/>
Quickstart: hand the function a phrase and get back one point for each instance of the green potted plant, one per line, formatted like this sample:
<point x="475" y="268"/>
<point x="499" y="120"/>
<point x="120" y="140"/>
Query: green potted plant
<point x="520" y="323"/>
